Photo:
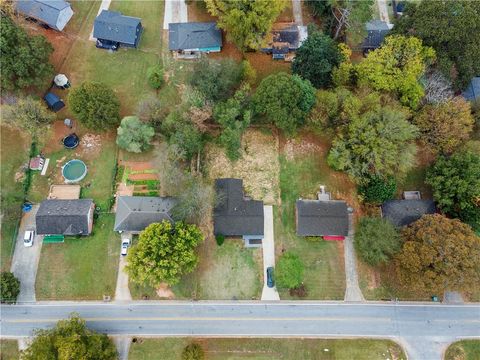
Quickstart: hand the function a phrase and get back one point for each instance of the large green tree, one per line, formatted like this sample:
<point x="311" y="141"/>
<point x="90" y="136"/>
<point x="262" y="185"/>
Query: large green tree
<point x="246" y="22"/>
<point x="70" y="339"/>
<point x="376" y="240"/>
<point x="164" y="252"/>
<point x="134" y="135"/>
<point x="289" y="271"/>
<point x="25" y="59"/>
<point x="96" y="105"/>
<point x="285" y="100"/>
<point x="10" y="287"/>
<point x="377" y="143"/>
<point x="316" y="58"/>
<point x="455" y="181"/>
<point x="438" y="255"/>
<point x="451" y="28"/>
<point x="397" y="67"/>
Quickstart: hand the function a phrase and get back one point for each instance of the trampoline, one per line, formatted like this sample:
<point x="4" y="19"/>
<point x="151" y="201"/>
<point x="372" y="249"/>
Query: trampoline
<point x="74" y="171"/>
<point x="71" y="141"/>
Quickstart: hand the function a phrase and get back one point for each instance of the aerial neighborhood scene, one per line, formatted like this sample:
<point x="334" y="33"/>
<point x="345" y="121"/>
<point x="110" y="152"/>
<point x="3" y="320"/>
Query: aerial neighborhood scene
<point x="240" y="179"/>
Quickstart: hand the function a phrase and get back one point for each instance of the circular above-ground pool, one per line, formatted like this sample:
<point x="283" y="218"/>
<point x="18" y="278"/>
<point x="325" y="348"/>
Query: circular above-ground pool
<point x="71" y="141"/>
<point x="74" y="171"/>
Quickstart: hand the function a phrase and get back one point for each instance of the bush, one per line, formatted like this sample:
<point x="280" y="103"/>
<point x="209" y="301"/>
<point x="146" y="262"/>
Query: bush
<point x="289" y="271"/>
<point x="220" y="239"/>
<point x="10" y="287"/>
<point x="155" y="76"/>
<point x="378" y="190"/>
<point x="134" y="135"/>
<point x="193" y="351"/>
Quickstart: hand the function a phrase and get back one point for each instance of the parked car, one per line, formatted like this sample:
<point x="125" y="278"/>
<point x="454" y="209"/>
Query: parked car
<point x="270" y="277"/>
<point x="28" y="238"/>
<point x="107" y="44"/>
<point x="125" y="245"/>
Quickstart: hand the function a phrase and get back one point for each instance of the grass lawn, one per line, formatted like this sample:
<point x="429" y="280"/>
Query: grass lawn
<point x="269" y="349"/>
<point x="9" y="350"/>
<point x="464" y="350"/>
<point x="80" y="269"/>
<point x="13" y="152"/>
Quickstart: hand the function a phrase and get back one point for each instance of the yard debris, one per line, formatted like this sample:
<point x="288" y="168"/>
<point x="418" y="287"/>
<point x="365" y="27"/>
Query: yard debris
<point x="164" y="292"/>
<point x="91" y="142"/>
<point x="296" y="147"/>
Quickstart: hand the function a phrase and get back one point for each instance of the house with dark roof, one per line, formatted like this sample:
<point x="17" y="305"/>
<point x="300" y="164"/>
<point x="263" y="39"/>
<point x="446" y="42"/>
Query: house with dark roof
<point x="472" y="92"/>
<point x="54" y="13"/>
<point x="376" y="32"/>
<point x="404" y="212"/>
<point x="135" y="213"/>
<point x="322" y="217"/>
<point x="285" y="39"/>
<point x="194" y="37"/>
<point x="236" y="215"/>
<point x="65" y="217"/>
<point x="113" y="27"/>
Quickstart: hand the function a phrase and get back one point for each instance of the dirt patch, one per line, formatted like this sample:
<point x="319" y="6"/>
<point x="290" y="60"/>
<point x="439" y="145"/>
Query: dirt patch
<point x="305" y="145"/>
<point x="164" y="292"/>
<point x="136" y="177"/>
<point x="91" y="143"/>
<point x="137" y="165"/>
<point x="258" y="167"/>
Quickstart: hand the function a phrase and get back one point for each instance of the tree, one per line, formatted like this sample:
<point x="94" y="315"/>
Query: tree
<point x="316" y="58"/>
<point x="289" y="271"/>
<point x="70" y="339"/>
<point x="376" y="240"/>
<point x="377" y="143"/>
<point x="438" y="88"/>
<point x="286" y="100"/>
<point x="152" y="110"/>
<point x="134" y="135"/>
<point x="445" y="126"/>
<point x="96" y="105"/>
<point x="452" y="29"/>
<point x="397" y="67"/>
<point x="455" y="181"/>
<point x="25" y="59"/>
<point x="193" y="351"/>
<point x="350" y="17"/>
<point x="378" y="189"/>
<point x="10" y="287"/>
<point x="438" y="255"/>
<point x="246" y="22"/>
<point x="155" y="76"/>
<point x="29" y="114"/>
<point x="164" y="252"/>
<point x="215" y="79"/>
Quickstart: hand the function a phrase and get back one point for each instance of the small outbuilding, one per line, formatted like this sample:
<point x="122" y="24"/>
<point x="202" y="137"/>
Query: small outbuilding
<point x="194" y="37"/>
<point x="376" y="32"/>
<point x="113" y="27"/>
<point x="54" y="13"/>
<point x="284" y="40"/>
<point x="472" y="92"/>
<point x="404" y="212"/>
<point x="53" y="102"/>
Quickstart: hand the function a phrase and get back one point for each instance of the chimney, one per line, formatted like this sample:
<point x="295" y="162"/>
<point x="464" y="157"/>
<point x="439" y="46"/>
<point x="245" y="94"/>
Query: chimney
<point x="323" y="195"/>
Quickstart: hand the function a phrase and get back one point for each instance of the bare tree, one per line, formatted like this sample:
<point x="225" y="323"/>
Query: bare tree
<point x="438" y="88"/>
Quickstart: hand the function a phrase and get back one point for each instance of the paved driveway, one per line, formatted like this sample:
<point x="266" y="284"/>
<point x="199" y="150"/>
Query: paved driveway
<point x="175" y="11"/>
<point x="25" y="259"/>
<point x="268" y="247"/>
<point x="122" y="292"/>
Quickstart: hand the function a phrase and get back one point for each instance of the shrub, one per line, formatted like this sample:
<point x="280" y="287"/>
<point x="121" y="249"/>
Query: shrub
<point x="10" y="287"/>
<point x="134" y="135"/>
<point x="193" y="351"/>
<point x="378" y="190"/>
<point x="220" y="239"/>
<point x="155" y="76"/>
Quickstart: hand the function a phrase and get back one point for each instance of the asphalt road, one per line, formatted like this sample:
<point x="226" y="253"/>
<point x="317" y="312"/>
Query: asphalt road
<point x="424" y="330"/>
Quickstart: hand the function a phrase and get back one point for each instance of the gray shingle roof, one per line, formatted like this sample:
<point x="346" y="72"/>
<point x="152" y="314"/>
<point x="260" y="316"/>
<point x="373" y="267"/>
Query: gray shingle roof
<point x="322" y="218"/>
<point x="113" y="26"/>
<point x="46" y="11"/>
<point x="472" y="92"/>
<point x="405" y="212"/>
<point x="376" y="32"/>
<point x="135" y="213"/>
<point x="234" y="215"/>
<point x="193" y="35"/>
<point x="63" y="217"/>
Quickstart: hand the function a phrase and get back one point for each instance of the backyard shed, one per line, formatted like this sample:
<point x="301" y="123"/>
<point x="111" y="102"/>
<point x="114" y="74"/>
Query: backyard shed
<point x="54" y="103"/>
<point x="112" y="26"/>
<point x="54" y="13"/>
<point x="194" y="37"/>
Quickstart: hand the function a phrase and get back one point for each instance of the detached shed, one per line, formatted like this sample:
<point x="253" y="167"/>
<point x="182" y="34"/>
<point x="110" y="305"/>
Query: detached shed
<point x="53" y="102"/>
<point x="54" y="13"/>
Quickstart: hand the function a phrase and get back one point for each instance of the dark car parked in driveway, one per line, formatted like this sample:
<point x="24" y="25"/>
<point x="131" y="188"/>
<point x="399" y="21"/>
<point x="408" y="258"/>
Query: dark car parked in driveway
<point x="107" y="44"/>
<point x="270" y="277"/>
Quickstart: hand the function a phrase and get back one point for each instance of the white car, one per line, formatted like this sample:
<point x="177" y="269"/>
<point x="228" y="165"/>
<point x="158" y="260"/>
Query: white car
<point x="125" y="245"/>
<point x="28" y="238"/>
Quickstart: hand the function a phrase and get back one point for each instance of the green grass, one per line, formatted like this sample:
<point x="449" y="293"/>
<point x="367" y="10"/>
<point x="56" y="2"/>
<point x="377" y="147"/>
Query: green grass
<point x="415" y="180"/>
<point x="324" y="273"/>
<point x="9" y="350"/>
<point x="464" y="350"/>
<point x="269" y="349"/>
<point x="81" y="268"/>
<point x="13" y="152"/>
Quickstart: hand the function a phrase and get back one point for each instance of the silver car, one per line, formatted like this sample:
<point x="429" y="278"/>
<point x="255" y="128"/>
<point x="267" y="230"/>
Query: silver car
<point x="28" y="238"/>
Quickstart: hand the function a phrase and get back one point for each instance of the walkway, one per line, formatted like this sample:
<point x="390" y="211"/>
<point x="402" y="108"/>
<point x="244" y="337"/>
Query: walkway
<point x="103" y="6"/>
<point x="297" y="12"/>
<point x="352" y="291"/>
<point x="175" y="11"/>
<point x="25" y="259"/>
<point x="268" y="248"/>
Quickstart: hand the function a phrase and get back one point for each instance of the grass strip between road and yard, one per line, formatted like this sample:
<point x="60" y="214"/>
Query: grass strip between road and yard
<point x="464" y="350"/>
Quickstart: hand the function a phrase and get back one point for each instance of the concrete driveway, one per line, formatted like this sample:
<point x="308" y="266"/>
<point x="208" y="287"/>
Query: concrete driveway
<point x="268" y="247"/>
<point x="175" y="11"/>
<point x="25" y="259"/>
<point x="122" y="292"/>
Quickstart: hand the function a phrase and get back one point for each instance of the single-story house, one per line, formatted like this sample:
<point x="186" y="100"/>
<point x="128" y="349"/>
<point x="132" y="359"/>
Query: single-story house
<point x="135" y="213"/>
<point x="65" y="217"/>
<point x="194" y="37"/>
<point x="472" y="92"/>
<point x="236" y="215"/>
<point x="113" y="27"/>
<point x="53" y="102"/>
<point x="376" y="32"/>
<point x="54" y="13"/>
<point x="284" y="39"/>
<point x="322" y="217"/>
<point x="404" y="212"/>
